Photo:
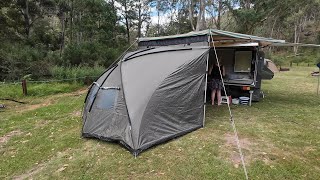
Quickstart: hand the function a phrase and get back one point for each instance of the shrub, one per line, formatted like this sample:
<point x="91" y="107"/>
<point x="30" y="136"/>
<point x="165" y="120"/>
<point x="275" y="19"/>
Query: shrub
<point x="61" y="73"/>
<point x="17" y="60"/>
<point x="89" y="54"/>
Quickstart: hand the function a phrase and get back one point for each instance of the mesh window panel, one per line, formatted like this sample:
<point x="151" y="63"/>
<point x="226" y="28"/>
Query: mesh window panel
<point x="107" y="98"/>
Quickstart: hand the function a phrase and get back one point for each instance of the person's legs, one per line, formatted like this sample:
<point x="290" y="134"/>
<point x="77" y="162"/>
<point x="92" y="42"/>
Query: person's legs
<point x="219" y="96"/>
<point x="213" y="94"/>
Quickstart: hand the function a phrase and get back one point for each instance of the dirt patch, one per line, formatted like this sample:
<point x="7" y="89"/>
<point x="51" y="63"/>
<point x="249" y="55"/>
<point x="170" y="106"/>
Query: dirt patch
<point x="42" y="166"/>
<point x="81" y="92"/>
<point x="31" y="172"/>
<point x="45" y="103"/>
<point x="50" y="100"/>
<point x="231" y="146"/>
<point x="76" y="113"/>
<point x="41" y="124"/>
<point x="257" y="149"/>
<point x="4" y="139"/>
<point x="245" y="143"/>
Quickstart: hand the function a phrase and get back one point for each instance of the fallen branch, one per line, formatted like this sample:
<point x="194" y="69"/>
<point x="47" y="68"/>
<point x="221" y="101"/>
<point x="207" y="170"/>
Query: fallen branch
<point x="8" y="99"/>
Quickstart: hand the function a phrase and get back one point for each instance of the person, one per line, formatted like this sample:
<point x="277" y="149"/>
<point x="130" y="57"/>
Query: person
<point x="215" y="84"/>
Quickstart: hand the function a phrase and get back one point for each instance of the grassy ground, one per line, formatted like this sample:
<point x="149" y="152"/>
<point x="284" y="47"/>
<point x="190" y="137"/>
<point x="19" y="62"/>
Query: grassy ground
<point x="279" y="135"/>
<point x="37" y="90"/>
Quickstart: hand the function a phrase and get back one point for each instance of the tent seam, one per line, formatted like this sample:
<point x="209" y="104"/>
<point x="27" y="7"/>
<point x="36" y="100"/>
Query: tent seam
<point x="125" y="102"/>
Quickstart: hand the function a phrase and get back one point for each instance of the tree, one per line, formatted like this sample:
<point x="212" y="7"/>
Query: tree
<point x="201" y="19"/>
<point x="33" y="32"/>
<point x="217" y="9"/>
<point x="128" y="15"/>
<point x="143" y="14"/>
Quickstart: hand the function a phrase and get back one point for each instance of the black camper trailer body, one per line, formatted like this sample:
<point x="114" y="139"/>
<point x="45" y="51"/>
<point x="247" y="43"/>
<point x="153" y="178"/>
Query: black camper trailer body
<point x="241" y="55"/>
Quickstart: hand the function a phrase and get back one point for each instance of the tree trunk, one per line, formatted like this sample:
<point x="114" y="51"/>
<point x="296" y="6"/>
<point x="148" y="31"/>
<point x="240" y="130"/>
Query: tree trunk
<point x="63" y="21"/>
<point x="71" y="22"/>
<point x="191" y="14"/>
<point x="26" y="19"/>
<point x="80" y="29"/>
<point x="127" y="21"/>
<point x="158" y="9"/>
<point x="272" y="29"/>
<point x="218" y="25"/>
<point x="114" y="20"/>
<point x="201" y="16"/>
<point x="295" y="39"/>
<point x="271" y="33"/>
<point x="139" y="19"/>
<point x="247" y="4"/>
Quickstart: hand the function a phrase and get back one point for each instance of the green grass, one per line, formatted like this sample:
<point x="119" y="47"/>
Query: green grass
<point x="37" y="89"/>
<point x="280" y="138"/>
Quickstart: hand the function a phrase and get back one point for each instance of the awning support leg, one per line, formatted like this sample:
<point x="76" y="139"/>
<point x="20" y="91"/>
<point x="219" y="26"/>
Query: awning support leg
<point x="251" y="92"/>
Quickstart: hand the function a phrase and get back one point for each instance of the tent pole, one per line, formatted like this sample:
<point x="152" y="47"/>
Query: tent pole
<point x="124" y="98"/>
<point x="318" y="81"/>
<point x="205" y="91"/>
<point x="206" y="85"/>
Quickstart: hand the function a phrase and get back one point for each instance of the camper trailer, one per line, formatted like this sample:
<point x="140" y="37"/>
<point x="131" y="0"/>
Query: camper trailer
<point x="240" y="54"/>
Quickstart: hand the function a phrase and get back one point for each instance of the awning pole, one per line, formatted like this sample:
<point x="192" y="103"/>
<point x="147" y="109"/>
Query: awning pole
<point x="206" y="85"/>
<point x="318" y="81"/>
<point x="205" y="91"/>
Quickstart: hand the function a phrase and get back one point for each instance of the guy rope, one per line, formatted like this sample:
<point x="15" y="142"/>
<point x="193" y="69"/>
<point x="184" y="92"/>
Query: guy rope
<point x="230" y="113"/>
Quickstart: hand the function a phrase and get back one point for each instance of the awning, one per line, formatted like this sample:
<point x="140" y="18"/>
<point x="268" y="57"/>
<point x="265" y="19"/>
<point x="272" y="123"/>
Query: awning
<point x="294" y="44"/>
<point x="204" y="36"/>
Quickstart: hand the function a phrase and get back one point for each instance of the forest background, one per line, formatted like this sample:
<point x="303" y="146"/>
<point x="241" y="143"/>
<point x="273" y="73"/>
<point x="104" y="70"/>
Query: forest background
<point x="57" y="39"/>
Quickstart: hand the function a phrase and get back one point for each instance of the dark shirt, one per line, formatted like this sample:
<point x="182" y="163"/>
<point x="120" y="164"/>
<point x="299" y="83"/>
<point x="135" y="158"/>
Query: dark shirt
<point x="215" y="73"/>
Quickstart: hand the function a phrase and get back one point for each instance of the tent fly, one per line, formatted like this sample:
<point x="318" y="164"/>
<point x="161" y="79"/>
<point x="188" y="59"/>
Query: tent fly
<point x="149" y="97"/>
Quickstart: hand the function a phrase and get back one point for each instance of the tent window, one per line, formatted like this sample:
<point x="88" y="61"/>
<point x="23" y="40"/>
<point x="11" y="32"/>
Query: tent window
<point x="92" y="94"/>
<point x="107" y="98"/>
<point x="243" y="61"/>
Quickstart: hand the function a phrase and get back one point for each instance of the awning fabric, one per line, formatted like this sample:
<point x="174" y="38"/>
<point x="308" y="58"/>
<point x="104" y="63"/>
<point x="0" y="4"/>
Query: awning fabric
<point x="203" y="36"/>
<point x="217" y="35"/>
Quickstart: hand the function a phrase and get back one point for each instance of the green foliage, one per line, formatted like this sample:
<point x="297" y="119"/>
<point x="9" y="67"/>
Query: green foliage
<point x="37" y="35"/>
<point x="18" y="60"/>
<point x="309" y="57"/>
<point x="89" y="54"/>
<point x="46" y="36"/>
<point x="278" y="60"/>
<point x="59" y="72"/>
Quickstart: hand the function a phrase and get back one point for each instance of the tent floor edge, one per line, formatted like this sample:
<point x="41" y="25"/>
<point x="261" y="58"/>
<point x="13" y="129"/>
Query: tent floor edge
<point x="137" y="152"/>
<point x="116" y="141"/>
<point x="164" y="140"/>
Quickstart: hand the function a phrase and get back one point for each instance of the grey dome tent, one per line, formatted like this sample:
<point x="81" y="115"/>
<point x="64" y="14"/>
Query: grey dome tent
<point x="149" y="97"/>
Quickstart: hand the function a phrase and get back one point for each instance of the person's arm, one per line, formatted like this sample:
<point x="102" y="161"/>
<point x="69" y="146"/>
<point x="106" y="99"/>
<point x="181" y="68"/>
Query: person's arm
<point x="210" y="70"/>
<point x="223" y="71"/>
